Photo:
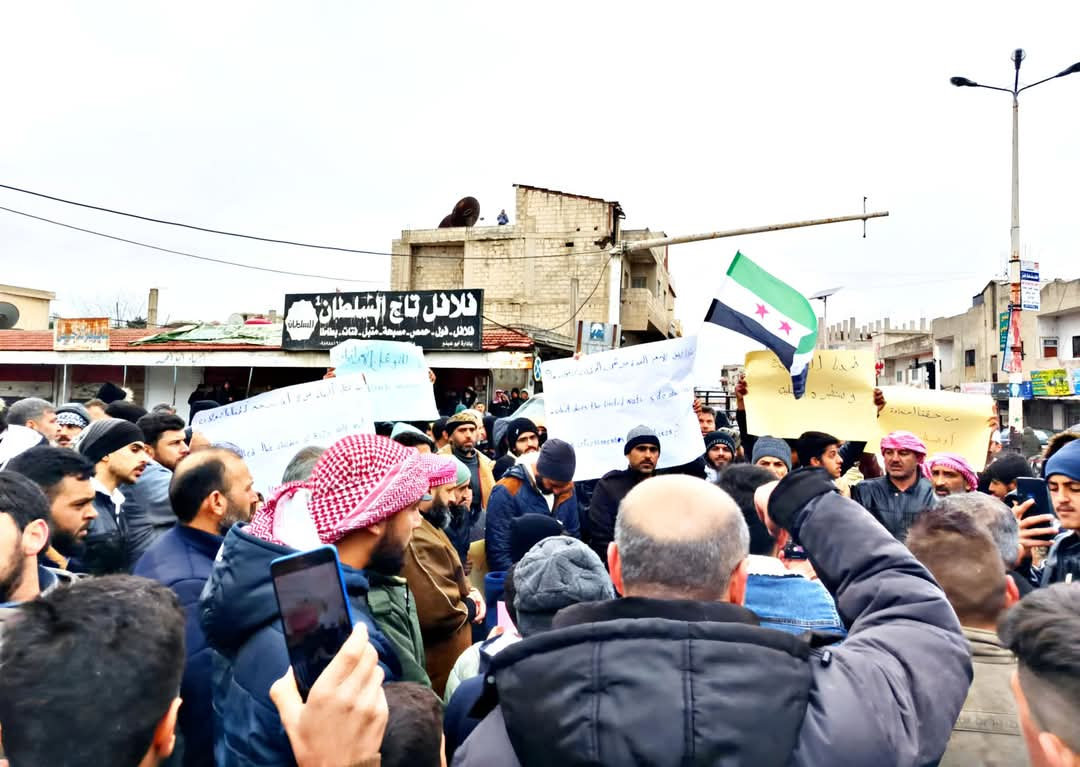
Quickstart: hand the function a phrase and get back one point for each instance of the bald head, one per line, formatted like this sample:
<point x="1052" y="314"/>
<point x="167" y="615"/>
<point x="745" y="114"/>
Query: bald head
<point x="678" y="537"/>
<point x="215" y="482"/>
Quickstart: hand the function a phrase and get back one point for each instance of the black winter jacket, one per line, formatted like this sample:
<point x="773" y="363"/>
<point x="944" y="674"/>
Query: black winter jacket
<point x="641" y="682"/>
<point x="604" y="507"/>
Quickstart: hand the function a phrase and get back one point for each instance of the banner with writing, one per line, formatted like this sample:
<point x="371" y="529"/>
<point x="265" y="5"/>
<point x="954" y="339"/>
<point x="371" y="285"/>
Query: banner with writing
<point x="269" y="429"/>
<point x="88" y="334"/>
<point x="839" y="396"/>
<point x="1050" y="383"/>
<point x="593" y="402"/>
<point x="946" y="421"/>
<point x="432" y="319"/>
<point x="397" y="378"/>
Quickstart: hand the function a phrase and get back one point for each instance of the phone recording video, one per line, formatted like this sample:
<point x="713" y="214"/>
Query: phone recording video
<point x="315" y="613"/>
<point x="1035" y="489"/>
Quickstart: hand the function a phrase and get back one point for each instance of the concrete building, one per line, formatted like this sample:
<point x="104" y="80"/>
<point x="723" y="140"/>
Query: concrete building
<point x="903" y="350"/>
<point x="968" y="346"/>
<point x="32" y="305"/>
<point x="537" y="270"/>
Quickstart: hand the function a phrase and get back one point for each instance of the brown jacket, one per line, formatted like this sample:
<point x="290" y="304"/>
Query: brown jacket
<point x="987" y="733"/>
<point x="438" y="583"/>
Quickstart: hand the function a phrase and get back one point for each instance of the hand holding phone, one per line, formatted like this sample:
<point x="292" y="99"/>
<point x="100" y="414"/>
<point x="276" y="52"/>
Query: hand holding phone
<point x="1033" y="493"/>
<point x="315" y="614"/>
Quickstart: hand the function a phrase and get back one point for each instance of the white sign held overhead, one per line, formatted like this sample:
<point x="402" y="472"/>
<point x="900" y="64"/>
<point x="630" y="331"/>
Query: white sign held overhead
<point x="594" y="401"/>
<point x="270" y="429"/>
<point x="396" y="375"/>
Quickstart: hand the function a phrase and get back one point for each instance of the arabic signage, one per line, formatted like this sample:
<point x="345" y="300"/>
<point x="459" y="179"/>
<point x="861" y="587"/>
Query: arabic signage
<point x="1076" y="380"/>
<point x="1003" y="330"/>
<point x="1030" y="293"/>
<point x="1050" y="383"/>
<point x="87" y="334"/>
<point x="431" y="319"/>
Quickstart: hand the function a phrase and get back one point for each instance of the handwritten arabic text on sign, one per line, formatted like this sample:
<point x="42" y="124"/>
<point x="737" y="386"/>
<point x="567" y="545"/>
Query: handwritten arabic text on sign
<point x="397" y="378"/>
<point x="271" y="428"/>
<point x="839" y="396"/>
<point x="432" y="319"/>
<point x="946" y="421"/>
<point x="82" y="335"/>
<point x="593" y="402"/>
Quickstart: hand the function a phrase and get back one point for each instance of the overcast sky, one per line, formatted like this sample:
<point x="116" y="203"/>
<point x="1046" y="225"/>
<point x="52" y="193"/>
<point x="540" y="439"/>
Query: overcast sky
<point x="346" y="122"/>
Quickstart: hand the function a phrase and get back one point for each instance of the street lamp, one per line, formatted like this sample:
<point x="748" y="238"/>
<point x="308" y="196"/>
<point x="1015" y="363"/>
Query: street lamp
<point x="1013" y="364"/>
<point x="823" y="296"/>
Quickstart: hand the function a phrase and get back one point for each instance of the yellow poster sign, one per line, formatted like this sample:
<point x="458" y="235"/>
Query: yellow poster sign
<point x="946" y="421"/>
<point x="839" y="396"/>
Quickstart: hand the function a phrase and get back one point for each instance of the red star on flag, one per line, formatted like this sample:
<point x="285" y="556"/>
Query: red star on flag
<point x="784" y="326"/>
<point x="761" y="311"/>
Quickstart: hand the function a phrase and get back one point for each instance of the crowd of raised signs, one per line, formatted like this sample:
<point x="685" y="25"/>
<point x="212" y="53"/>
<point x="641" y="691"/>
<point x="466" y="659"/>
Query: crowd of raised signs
<point x="781" y="600"/>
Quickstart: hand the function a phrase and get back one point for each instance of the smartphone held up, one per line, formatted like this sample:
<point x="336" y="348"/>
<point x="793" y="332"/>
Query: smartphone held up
<point x="314" y="609"/>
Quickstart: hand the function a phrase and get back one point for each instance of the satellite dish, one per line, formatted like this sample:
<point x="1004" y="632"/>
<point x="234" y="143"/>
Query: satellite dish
<point x="824" y="293"/>
<point x="235" y="319"/>
<point x="9" y="315"/>
<point x="465" y="213"/>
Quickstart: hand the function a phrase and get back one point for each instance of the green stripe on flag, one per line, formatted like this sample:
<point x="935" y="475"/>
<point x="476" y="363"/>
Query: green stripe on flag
<point x="778" y="294"/>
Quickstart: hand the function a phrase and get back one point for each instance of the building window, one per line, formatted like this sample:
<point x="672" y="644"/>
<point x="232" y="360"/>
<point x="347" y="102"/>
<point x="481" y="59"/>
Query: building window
<point x="969" y="358"/>
<point x="1049" y="347"/>
<point x="637" y="282"/>
<point x="1076" y="347"/>
<point x="899" y="376"/>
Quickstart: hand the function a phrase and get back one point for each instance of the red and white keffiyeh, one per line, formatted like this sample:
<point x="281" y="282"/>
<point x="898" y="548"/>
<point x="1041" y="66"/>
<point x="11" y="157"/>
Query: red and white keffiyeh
<point x="361" y="480"/>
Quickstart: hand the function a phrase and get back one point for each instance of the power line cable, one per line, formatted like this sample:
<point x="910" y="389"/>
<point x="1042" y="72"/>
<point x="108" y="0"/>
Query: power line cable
<point x="183" y="253"/>
<point x="259" y="238"/>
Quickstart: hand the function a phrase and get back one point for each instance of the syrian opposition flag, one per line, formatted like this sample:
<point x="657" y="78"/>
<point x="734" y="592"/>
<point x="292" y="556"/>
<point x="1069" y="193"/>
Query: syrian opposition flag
<point x="756" y="304"/>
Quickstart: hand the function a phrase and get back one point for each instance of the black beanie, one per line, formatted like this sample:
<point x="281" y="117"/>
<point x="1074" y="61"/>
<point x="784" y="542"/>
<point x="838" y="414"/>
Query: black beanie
<point x="107" y="436"/>
<point x="516" y="428"/>
<point x="110" y="392"/>
<point x="528" y="530"/>
<point x="557" y="461"/>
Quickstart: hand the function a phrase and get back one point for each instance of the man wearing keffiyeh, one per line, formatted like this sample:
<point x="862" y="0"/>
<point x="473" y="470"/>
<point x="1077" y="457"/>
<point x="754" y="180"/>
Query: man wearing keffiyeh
<point x="363" y="498"/>
<point x="904" y="492"/>
<point x="950" y="474"/>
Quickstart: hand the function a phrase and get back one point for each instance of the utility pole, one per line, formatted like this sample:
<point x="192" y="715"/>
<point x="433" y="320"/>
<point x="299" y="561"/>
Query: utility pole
<point x="620" y="249"/>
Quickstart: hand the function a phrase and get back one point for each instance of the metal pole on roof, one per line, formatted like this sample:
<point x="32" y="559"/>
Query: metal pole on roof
<point x="251" y="374"/>
<point x="124" y="383"/>
<point x="174" y="385"/>
<point x="63" y="386"/>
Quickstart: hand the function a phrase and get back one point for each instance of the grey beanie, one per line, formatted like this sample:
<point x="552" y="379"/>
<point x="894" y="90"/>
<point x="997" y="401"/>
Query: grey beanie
<point x="772" y="447"/>
<point x="557" y="572"/>
<point x="107" y="436"/>
<point x="640" y="435"/>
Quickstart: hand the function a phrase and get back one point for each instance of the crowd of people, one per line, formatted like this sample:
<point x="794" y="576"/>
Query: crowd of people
<point x="782" y="599"/>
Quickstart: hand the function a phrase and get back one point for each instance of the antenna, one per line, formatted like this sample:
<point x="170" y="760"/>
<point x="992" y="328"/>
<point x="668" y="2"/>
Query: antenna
<point x="9" y="315"/>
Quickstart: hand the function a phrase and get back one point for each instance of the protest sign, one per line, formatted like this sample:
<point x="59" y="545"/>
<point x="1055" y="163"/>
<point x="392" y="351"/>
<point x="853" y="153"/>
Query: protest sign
<point x="946" y="421"/>
<point x="594" y="401"/>
<point x="270" y="428"/>
<point x="839" y="396"/>
<point x="396" y="375"/>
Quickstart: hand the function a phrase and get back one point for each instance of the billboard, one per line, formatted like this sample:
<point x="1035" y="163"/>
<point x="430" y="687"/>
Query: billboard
<point x="440" y="320"/>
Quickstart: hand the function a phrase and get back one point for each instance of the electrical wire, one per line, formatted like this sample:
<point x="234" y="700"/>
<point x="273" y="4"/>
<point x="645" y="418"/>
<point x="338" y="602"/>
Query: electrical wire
<point x="184" y="253"/>
<point x="527" y="331"/>
<point x="259" y="238"/>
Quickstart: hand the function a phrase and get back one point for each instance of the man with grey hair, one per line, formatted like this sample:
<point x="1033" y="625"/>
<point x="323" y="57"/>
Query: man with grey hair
<point x="679" y="672"/>
<point x="1000" y="521"/>
<point x="302" y="464"/>
<point x="30" y="422"/>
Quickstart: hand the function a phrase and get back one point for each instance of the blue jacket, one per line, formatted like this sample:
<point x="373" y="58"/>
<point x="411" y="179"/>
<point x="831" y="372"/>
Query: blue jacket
<point x="514" y="495"/>
<point x="182" y="560"/>
<point x="147" y="508"/>
<point x="787" y="601"/>
<point x="243" y="627"/>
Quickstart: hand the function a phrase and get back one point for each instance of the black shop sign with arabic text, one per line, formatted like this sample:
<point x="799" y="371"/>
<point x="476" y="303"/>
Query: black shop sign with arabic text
<point x="431" y="319"/>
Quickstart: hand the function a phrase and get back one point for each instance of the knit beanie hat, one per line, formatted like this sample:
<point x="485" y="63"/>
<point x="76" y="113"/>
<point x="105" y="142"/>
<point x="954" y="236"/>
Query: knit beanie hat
<point x="107" y="436"/>
<point x="557" y="572"/>
<point x="464" y="473"/>
<point x="640" y="435"/>
<point x="517" y="427"/>
<point x="720" y="437"/>
<point x="1007" y="467"/>
<point x="528" y="530"/>
<point x="73" y="414"/>
<point x="110" y="392"/>
<point x="129" y="411"/>
<point x="401" y="427"/>
<point x="557" y="461"/>
<point x="772" y="447"/>
<point x="460" y="419"/>
<point x="1065" y="462"/>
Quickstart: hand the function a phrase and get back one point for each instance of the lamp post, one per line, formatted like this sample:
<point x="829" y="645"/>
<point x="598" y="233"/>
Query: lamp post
<point x="823" y="296"/>
<point x="1013" y="364"/>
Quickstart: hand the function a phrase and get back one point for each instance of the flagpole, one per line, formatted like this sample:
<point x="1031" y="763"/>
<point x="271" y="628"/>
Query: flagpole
<point x="620" y="249"/>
